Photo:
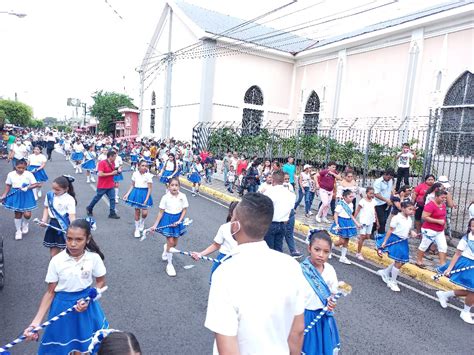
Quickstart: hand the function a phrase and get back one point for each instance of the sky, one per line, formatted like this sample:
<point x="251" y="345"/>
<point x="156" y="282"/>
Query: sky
<point x="72" y="48"/>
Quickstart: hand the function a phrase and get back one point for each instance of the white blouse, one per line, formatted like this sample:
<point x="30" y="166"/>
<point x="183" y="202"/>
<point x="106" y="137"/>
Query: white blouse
<point x="174" y="204"/>
<point x="312" y="301"/>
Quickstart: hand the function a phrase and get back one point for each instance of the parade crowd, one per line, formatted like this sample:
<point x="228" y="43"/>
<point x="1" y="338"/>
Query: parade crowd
<point x="261" y="300"/>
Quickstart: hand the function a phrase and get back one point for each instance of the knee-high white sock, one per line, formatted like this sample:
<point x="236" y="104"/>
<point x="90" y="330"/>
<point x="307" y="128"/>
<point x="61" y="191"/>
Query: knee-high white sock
<point x="388" y="270"/>
<point x="116" y="193"/>
<point x="169" y="256"/>
<point x="35" y="193"/>
<point x="18" y="224"/>
<point x="343" y="252"/>
<point x="137" y="224"/>
<point x="194" y="189"/>
<point x="395" y="273"/>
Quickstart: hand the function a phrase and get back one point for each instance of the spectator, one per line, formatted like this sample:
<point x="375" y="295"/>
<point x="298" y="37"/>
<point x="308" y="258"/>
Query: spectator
<point x="230" y="179"/>
<point x="290" y="168"/>
<point x="383" y="189"/>
<point x="403" y="163"/>
<point x="304" y="182"/>
<point x="325" y="181"/>
<point x="210" y="166"/>
<point x="226" y="162"/>
<point x="418" y="196"/>
<point x="252" y="177"/>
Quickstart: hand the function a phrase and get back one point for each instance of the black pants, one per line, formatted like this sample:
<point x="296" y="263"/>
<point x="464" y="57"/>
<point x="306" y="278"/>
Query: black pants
<point x="402" y="173"/>
<point x="382" y="215"/>
<point x="275" y="235"/>
<point x="48" y="152"/>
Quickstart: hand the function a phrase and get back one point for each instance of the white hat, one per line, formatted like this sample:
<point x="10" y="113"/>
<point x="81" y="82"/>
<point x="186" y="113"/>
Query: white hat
<point x="444" y="180"/>
<point x="306" y="166"/>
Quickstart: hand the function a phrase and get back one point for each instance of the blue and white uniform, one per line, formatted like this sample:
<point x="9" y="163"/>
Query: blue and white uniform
<point x="347" y="228"/>
<point x="118" y="164"/>
<point x="77" y="152"/>
<point x="196" y="172"/>
<point x="17" y="199"/>
<point x="226" y="241"/>
<point x="401" y="231"/>
<point x="324" y="337"/>
<point x="137" y="196"/>
<point x="74" y="279"/>
<point x="465" y="278"/>
<point x="134" y="155"/>
<point x="34" y="162"/>
<point x="172" y="206"/>
<point x="170" y="167"/>
<point x="62" y="207"/>
<point x="90" y="157"/>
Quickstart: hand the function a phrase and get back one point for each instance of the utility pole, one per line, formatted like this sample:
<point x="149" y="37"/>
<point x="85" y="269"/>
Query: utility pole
<point x="169" y="70"/>
<point x="84" y="105"/>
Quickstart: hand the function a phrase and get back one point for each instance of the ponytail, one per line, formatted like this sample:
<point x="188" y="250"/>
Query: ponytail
<point x="65" y="182"/>
<point x="93" y="247"/>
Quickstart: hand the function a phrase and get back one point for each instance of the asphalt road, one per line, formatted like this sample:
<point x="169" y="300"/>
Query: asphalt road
<point x="167" y="314"/>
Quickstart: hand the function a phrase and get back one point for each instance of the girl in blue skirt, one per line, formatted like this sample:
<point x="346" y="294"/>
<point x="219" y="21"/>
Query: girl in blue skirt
<point x="90" y="164"/>
<point x="223" y="241"/>
<point x="19" y="197"/>
<point x="345" y="225"/>
<point x="398" y="234"/>
<point x="36" y="164"/>
<point x="139" y="196"/>
<point x="70" y="276"/>
<point x="195" y="176"/>
<point x="173" y="208"/>
<point x="77" y="155"/>
<point x="464" y="257"/>
<point x="323" y="338"/>
<point x="169" y="170"/>
<point x="119" y="176"/>
<point x="134" y="154"/>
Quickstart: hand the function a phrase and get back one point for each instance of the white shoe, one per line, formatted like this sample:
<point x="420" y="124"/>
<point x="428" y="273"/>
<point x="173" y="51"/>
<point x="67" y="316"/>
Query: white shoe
<point x="318" y="219"/>
<point x="170" y="270"/>
<point x="311" y="213"/>
<point x="24" y="228"/>
<point x="137" y="233"/>
<point x="360" y="256"/>
<point x="88" y="181"/>
<point x="443" y="300"/>
<point x="116" y="200"/>
<point x="344" y="261"/>
<point x="393" y="286"/>
<point x="325" y="220"/>
<point x="164" y="256"/>
<point x="384" y="276"/>
<point x="18" y="235"/>
<point x="80" y="170"/>
<point x="92" y="179"/>
<point x="466" y="316"/>
<point x="40" y="194"/>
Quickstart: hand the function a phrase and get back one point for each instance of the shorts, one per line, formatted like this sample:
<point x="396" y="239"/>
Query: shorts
<point x="431" y="236"/>
<point x="366" y="229"/>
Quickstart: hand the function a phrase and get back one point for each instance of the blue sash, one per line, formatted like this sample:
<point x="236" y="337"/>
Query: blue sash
<point x="316" y="282"/>
<point x="470" y="243"/>
<point x="346" y="208"/>
<point x="62" y="220"/>
<point x="89" y="156"/>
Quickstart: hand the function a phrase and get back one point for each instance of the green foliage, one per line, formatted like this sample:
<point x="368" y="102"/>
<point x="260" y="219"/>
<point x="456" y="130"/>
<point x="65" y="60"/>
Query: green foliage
<point x="3" y="116"/>
<point x="105" y="108"/>
<point x="50" y="121"/>
<point x="16" y="112"/>
<point x="63" y="128"/>
<point x="35" y="124"/>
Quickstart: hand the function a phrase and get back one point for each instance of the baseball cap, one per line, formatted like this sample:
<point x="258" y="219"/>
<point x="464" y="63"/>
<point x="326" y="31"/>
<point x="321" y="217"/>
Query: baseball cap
<point x="306" y="166"/>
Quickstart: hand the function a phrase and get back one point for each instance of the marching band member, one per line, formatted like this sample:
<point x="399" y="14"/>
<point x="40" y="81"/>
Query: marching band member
<point x="36" y="164"/>
<point x="89" y="164"/>
<point x="77" y="155"/>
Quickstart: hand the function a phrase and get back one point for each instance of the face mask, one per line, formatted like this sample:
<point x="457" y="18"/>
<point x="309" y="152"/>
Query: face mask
<point x="238" y="228"/>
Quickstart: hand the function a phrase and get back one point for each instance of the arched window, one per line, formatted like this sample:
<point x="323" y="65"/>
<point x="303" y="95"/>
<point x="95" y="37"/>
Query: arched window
<point x="252" y="117"/>
<point x="457" y="120"/>
<point x="311" y="114"/>
<point x="152" y="112"/>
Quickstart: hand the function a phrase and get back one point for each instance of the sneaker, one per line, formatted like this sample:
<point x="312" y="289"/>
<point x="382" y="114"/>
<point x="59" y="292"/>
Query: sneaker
<point x="170" y="270"/>
<point x="24" y="228"/>
<point x="116" y="200"/>
<point x="137" y="233"/>
<point x="383" y="275"/>
<point x="359" y="256"/>
<point x="40" y="193"/>
<point x="318" y="219"/>
<point x="393" y="286"/>
<point x="194" y="194"/>
<point x="296" y="254"/>
<point x="89" y="212"/>
<point x="114" y="216"/>
<point x="164" y="256"/>
<point x="311" y="213"/>
<point x="344" y="261"/>
<point x="18" y="235"/>
<point x="325" y="220"/>
<point x="88" y="181"/>
<point x="466" y="316"/>
<point x="92" y="179"/>
<point x="443" y="300"/>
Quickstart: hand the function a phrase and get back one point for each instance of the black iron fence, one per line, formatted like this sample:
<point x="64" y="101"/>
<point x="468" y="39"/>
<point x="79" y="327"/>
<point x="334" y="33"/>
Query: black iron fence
<point x="368" y="147"/>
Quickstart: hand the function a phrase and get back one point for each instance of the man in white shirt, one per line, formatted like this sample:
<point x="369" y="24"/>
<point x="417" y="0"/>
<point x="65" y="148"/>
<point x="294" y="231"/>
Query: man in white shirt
<point x="256" y="304"/>
<point x="18" y="151"/>
<point x="283" y="202"/>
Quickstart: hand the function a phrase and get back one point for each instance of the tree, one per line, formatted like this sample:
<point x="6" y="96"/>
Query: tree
<point x="16" y="112"/>
<point x="50" y="121"/>
<point x="35" y="124"/>
<point x="3" y="116"/>
<point x="105" y="108"/>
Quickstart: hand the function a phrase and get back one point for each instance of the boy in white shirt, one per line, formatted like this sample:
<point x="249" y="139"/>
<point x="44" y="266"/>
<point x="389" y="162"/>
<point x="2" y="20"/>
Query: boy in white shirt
<point x="367" y="217"/>
<point x="403" y="163"/>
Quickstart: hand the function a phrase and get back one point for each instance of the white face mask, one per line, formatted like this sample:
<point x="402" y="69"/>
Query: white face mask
<point x="238" y="228"/>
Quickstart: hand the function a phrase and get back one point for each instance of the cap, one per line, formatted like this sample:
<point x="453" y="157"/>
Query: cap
<point x="306" y="166"/>
<point x="444" y="180"/>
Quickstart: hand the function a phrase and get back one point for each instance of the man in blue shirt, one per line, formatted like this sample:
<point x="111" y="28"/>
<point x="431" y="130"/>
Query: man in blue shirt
<point x="290" y="169"/>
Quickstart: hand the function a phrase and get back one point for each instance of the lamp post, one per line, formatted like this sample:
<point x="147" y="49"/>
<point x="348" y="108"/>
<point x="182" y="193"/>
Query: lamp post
<point x="13" y="13"/>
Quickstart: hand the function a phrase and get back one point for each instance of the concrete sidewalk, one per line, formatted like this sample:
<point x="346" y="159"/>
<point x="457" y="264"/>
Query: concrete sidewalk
<point x="304" y="224"/>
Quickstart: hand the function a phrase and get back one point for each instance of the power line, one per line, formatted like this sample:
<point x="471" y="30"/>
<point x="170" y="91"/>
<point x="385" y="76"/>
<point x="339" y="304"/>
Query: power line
<point x="115" y="11"/>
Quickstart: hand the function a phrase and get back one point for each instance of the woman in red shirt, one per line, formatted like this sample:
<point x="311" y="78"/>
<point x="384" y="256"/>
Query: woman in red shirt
<point x="418" y="196"/>
<point x="432" y="230"/>
<point x="325" y="182"/>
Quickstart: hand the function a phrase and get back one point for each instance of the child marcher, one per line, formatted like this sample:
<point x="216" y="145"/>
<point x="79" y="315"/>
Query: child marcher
<point x="77" y="155"/>
<point x="36" y="165"/>
<point x="195" y="176"/>
<point x="90" y="165"/>
<point x="118" y="177"/>
<point x="367" y="217"/>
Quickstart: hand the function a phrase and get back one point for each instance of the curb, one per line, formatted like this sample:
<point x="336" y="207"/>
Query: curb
<point x="408" y="269"/>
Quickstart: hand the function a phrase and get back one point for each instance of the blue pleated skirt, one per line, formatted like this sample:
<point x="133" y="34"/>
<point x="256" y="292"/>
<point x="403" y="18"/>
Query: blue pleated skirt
<point x="347" y="228"/>
<point x="464" y="278"/>
<point x="195" y="178"/>
<point x="323" y="338"/>
<point x="89" y="164"/>
<point x="74" y="331"/>
<point x="164" y="178"/>
<point x="138" y="195"/>
<point x="118" y="177"/>
<point x="174" y="232"/>
<point x="20" y="201"/>
<point x="39" y="175"/>
<point x="77" y="156"/>
<point x="54" y="238"/>
<point x="399" y="252"/>
<point x="134" y="158"/>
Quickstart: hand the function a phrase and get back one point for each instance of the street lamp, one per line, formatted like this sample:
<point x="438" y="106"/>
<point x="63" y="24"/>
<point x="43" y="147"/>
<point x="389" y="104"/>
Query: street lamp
<point x="13" y="13"/>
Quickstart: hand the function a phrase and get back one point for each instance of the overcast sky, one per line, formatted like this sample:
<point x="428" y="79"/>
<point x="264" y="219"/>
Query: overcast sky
<point x="70" y="48"/>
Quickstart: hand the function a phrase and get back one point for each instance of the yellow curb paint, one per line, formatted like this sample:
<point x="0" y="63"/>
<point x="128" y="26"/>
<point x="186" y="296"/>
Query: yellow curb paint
<point x="411" y="270"/>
